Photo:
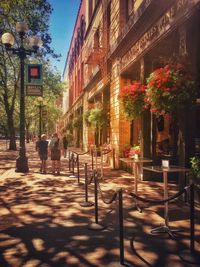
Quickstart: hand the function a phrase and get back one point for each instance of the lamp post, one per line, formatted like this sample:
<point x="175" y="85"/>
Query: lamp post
<point x="42" y="104"/>
<point x="8" y="40"/>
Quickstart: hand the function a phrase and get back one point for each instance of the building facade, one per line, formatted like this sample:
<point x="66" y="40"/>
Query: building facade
<point x="114" y="43"/>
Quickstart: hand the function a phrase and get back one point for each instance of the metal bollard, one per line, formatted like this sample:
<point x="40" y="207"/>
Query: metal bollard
<point x="86" y="203"/>
<point x="192" y="218"/>
<point x="72" y="161"/>
<point x="191" y="256"/>
<point x="78" y="172"/>
<point x="96" y="226"/>
<point x="101" y="151"/>
<point x="121" y="227"/>
<point x="69" y="161"/>
<point x="92" y="159"/>
<point x="73" y="164"/>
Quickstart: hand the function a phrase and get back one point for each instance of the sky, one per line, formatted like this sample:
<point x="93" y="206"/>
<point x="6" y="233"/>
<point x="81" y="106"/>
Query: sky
<point x="62" y="22"/>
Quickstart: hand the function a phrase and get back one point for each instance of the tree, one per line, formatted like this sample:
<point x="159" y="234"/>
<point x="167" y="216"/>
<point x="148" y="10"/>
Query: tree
<point x="36" y="14"/>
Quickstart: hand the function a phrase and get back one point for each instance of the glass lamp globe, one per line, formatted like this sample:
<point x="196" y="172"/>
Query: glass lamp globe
<point x="8" y="39"/>
<point x="21" y="27"/>
<point x="35" y="42"/>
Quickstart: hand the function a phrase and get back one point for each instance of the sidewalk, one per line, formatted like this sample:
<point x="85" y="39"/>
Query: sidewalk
<point x="42" y="222"/>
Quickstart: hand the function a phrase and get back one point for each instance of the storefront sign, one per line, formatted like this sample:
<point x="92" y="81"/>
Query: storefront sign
<point x="34" y="90"/>
<point x="157" y="30"/>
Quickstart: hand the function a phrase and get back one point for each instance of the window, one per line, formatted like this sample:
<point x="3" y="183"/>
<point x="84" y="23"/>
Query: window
<point x="130" y="6"/>
<point x="82" y="33"/>
<point x="73" y="55"/>
<point x="90" y="9"/>
<point x="96" y="39"/>
<point x="79" y="40"/>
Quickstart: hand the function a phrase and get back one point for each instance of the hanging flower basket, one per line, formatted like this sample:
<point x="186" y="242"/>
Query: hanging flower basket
<point x="77" y="122"/>
<point x="132" y="97"/>
<point x="95" y="117"/>
<point x="169" y="89"/>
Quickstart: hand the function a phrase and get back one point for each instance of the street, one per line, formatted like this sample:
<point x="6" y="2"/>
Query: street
<point x="43" y="224"/>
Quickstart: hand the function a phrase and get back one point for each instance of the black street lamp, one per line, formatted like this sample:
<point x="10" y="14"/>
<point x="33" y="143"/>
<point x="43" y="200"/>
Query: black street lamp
<point x="35" y="42"/>
<point x="42" y="104"/>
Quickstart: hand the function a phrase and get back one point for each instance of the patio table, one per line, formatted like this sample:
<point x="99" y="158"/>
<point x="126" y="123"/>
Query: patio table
<point x="135" y="163"/>
<point x="165" y="170"/>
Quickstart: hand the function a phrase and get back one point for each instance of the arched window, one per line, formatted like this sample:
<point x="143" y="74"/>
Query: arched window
<point x="82" y="30"/>
<point x="79" y="40"/>
<point x="75" y="49"/>
<point x="73" y="55"/>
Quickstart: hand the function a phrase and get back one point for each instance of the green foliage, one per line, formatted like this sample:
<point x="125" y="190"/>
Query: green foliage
<point x="35" y="13"/>
<point x="97" y="117"/>
<point x="78" y="122"/>
<point x="195" y="167"/>
<point x="86" y="118"/>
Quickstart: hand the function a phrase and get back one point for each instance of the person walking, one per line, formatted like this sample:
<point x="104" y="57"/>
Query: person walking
<point x="42" y="147"/>
<point x="65" y="145"/>
<point x="55" y="146"/>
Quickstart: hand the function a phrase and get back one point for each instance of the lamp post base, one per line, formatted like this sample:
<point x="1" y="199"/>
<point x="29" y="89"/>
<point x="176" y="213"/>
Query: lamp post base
<point x="22" y="163"/>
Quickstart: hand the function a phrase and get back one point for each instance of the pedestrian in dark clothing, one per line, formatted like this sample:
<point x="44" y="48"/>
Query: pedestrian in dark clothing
<point x="65" y="145"/>
<point x="55" y="147"/>
<point x="43" y="152"/>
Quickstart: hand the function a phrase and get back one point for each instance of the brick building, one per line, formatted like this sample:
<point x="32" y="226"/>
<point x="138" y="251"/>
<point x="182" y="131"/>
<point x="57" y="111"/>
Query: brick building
<point x="116" y="42"/>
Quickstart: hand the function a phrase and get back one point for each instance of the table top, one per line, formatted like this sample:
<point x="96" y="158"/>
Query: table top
<point x="133" y="160"/>
<point x="172" y="168"/>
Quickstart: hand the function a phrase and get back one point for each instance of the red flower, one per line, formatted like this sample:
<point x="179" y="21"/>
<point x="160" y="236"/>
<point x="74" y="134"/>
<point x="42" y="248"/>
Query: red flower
<point x="170" y="88"/>
<point x="132" y="97"/>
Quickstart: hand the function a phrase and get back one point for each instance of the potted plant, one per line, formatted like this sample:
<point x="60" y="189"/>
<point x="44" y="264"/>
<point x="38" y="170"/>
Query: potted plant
<point x="195" y="169"/>
<point x="135" y="151"/>
<point x="169" y="89"/>
<point x="133" y="99"/>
